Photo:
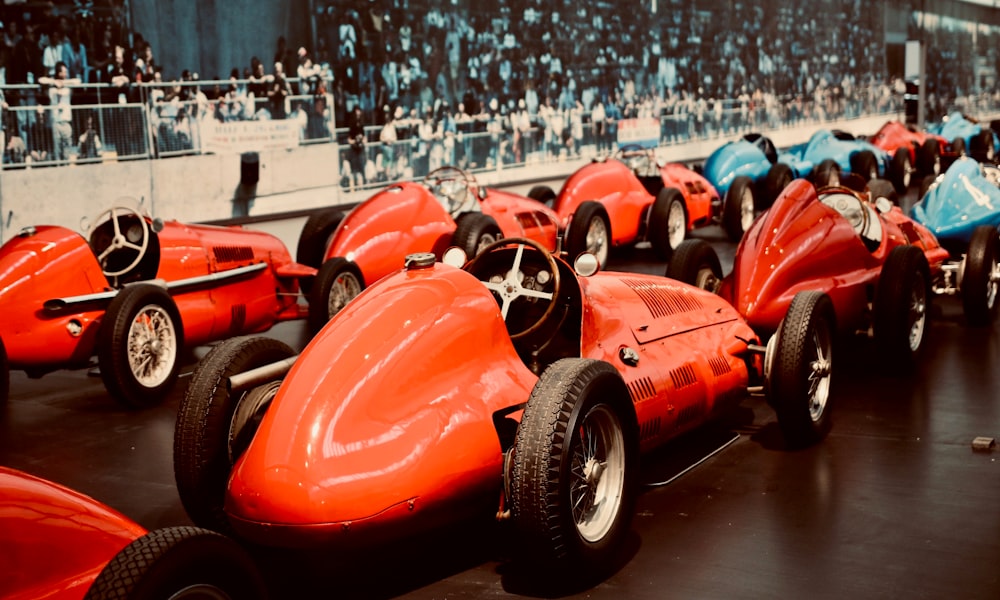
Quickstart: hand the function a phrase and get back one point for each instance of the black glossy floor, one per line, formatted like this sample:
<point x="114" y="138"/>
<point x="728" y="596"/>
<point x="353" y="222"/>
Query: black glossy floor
<point x="893" y="504"/>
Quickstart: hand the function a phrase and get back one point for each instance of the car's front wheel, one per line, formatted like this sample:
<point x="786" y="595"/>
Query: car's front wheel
<point x="696" y="263"/>
<point x="338" y="282"/>
<point x="981" y="277"/>
<point x="901" y="306"/>
<point x="799" y="373"/>
<point x="589" y="231"/>
<point x="475" y="231"/>
<point x="179" y="563"/>
<point x="900" y="171"/>
<point x="667" y="225"/>
<point x="138" y="345"/>
<point x="206" y="443"/>
<point x="929" y="158"/>
<point x="739" y="208"/>
<point x="575" y="466"/>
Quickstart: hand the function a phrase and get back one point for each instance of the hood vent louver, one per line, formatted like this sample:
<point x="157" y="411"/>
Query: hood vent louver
<point x="683" y="377"/>
<point x="661" y="299"/>
<point x="232" y="253"/>
<point x="720" y="366"/>
<point x="641" y="388"/>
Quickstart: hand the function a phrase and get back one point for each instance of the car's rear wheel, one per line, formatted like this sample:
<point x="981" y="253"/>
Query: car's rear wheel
<point x="314" y="240"/>
<point x="667" y="226"/>
<point x="589" y="231"/>
<point x="900" y="171"/>
<point x="827" y="173"/>
<point x="799" y="376"/>
<point x="902" y="299"/>
<point x="864" y="164"/>
<point x="475" y="231"/>
<point x="696" y="263"/>
<point x="981" y="147"/>
<point x="205" y="436"/>
<point x="958" y="147"/>
<point x="138" y="345"/>
<point x="777" y="179"/>
<point x="929" y="158"/>
<point x="338" y="282"/>
<point x="575" y="466"/>
<point x="543" y="194"/>
<point x="739" y="208"/>
<point x="880" y="188"/>
<point x="179" y="563"/>
<point x="981" y="277"/>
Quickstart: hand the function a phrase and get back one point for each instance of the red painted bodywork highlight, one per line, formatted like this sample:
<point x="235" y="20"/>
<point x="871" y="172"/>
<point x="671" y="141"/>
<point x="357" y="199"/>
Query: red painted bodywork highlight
<point x="895" y="135"/>
<point x="55" y="540"/>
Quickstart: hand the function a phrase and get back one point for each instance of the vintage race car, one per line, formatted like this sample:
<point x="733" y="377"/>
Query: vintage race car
<point x="829" y="154"/>
<point x="135" y="295"/>
<point x="748" y="165"/>
<point x="61" y="545"/>
<point x="968" y="136"/>
<point x="632" y="197"/>
<point x="878" y="266"/>
<point x="922" y="151"/>
<point x="440" y="390"/>
<point x="448" y="208"/>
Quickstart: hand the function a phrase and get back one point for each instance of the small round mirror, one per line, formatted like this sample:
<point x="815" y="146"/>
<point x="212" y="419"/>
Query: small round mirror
<point x="586" y="264"/>
<point x="157" y="225"/>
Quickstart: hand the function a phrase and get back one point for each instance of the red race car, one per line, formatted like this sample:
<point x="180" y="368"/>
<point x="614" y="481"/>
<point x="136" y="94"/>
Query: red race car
<point x="878" y="266"/>
<point x="440" y="390"/>
<point x="61" y="545"/>
<point x="922" y="151"/>
<point x="448" y="208"/>
<point x="135" y="294"/>
<point x="630" y="198"/>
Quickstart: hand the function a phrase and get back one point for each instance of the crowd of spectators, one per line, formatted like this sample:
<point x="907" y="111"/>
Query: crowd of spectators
<point x="418" y="77"/>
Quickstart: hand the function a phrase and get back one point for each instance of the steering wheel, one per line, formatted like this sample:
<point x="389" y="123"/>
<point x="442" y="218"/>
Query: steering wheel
<point x="526" y="279"/>
<point x="134" y="239"/>
<point x="638" y="158"/>
<point x="453" y="187"/>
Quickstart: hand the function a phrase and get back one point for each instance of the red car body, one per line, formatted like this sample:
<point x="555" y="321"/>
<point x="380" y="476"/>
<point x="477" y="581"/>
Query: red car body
<point x="800" y="243"/>
<point x="415" y="404"/>
<point x="218" y="282"/>
<point x="62" y="545"/>
<point x="925" y="150"/>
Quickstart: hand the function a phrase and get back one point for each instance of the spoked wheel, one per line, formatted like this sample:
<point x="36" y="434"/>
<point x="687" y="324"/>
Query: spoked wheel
<point x="338" y="282"/>
<point x="981" y="277"/>
<point x="799" y="372"/>
<point x="738" y="208"/>
<point x="589" y="231"/>
<point x="139" y="344"/>
<point x="901" y="306"/>
<point x="575" y="460"/>
<point x="475" y="231"/>
<point x="667" y="224"/>
<point x="696" y="263"/>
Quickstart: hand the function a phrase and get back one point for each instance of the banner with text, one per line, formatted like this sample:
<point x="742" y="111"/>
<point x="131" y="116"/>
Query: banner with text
<point x="639" y="132"/>
<point x="250" y="136"/>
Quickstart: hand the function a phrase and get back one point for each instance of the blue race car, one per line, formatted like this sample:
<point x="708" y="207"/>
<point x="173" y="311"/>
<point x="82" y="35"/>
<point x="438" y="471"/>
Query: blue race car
<point x="830" y="153"/>
<point x="967" y="133"/>
<point x="748" y="165"/>
<point x="962" y="209"/>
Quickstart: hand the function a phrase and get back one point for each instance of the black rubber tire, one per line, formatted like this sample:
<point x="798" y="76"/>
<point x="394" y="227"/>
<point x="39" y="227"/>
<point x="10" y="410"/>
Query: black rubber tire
<point x="338" y="282"/>
<point x="202" y="461"/>
<point x="827" y="172"/>
<point x="902" y="298"/>
<point x="474" y="231"/>
<point x="165" y="562"/>
<point x="579" y="226"/>
<point x="880" y="188"/>
<point x="4" y="374"/>
<point x="958" y="147"/>
<point x="696" y="263"/>
<point x="809" y="325"/>
<point x="925" y="185"/>
<point x="568" y="392"/>
<point x="732" y="207"/>
<point x="543" y="194"/>
<point x="315" y="236"/>
<point x="979" y="294"/>
<point x="113" y="347"/>
<point x="900" y="170"/>
<point x="981" y="146"/>
<point x="777" y="179"/>
<point x="864" y="164"/>
<point x="657" y="229"/>
<point x="929" y="158"/>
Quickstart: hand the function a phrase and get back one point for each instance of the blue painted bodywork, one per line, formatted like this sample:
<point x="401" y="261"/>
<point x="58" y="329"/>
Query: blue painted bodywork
<point x="956" y="125"/>
<point x="739" y="157"/>
<point x="825" y="144"/>
<point x="965" y="197"/>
